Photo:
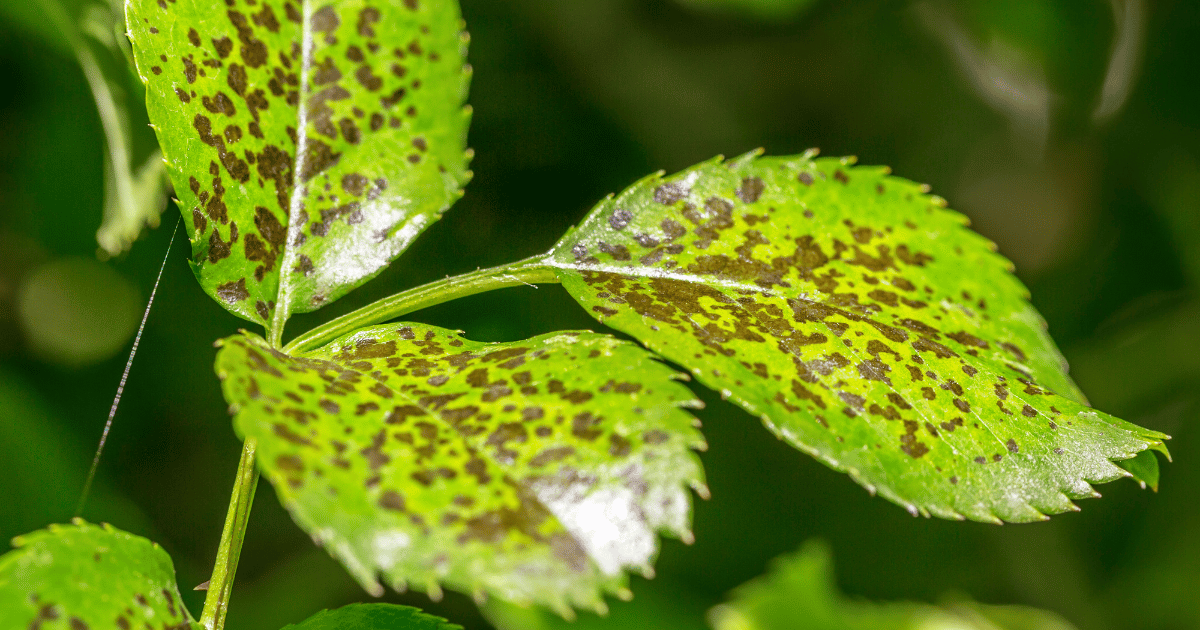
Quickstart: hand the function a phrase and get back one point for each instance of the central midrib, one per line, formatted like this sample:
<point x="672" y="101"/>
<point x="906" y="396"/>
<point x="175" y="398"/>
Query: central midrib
<point x="283" y="293"/>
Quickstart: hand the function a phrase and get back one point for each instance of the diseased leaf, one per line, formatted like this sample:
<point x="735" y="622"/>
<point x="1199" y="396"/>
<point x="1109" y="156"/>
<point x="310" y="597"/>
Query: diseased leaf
<point x="800" y="594"/>
<point x="861" y="321"/>
<point x="345" y="116"/>
<point x="373" y="617"/>
<point x="89" y="576"/>
<point x="536" y="471"/>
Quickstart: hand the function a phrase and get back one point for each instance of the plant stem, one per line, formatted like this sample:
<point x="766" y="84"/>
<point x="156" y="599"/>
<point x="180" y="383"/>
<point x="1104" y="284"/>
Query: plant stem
<point x="216" y="604"/>
<point x="529" y="271"/>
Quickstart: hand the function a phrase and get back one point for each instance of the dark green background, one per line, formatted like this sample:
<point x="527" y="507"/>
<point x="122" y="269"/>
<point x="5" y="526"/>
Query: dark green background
<point x="576" y="99"/>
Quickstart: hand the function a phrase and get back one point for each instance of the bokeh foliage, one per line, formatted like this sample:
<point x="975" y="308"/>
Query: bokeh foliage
<point x="573" y="101"/>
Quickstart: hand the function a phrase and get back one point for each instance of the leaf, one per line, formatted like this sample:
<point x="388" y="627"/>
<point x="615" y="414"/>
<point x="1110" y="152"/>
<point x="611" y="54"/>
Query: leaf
<point x="762" y="9"/>
<point x="800" y="593"/>
<point x="373" y="617"/>
<point x="89" y="576"/>
<point x="133" y="197"/>
<point x="132" y="201"/>
<point x="664" y="603"/>
<point x="535" y="470"/>
<point x="362" y="108"/>
<point x="861" y="321"/>
<point x="1143" y="468"/>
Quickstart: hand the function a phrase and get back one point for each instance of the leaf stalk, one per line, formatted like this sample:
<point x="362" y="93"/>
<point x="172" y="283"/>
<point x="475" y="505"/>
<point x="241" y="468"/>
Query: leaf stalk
<point x="534" y="270"/>
<point x="216" y="604"/>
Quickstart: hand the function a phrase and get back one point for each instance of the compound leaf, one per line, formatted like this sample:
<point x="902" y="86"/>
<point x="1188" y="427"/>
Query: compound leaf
<point x="373" y="617"/>
<point x="309" y="142"/>
<point x="861" y="321"/>
<point x="800" y="594"/>
<point x="536" y="471"/>
<point x="89" y="576"/>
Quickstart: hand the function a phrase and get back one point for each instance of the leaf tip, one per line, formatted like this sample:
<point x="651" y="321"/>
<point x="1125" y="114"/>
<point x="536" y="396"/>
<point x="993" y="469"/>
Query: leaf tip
<point x="563" y="610"/>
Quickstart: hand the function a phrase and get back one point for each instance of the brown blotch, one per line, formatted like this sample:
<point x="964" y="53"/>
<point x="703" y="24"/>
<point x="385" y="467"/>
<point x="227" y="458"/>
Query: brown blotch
<point x="750" y="190"/>
<point x="391" y="500"/>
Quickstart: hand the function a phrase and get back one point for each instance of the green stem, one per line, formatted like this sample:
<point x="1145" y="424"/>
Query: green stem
<point x="529" y="271"/>
<point x="216" y="604"/>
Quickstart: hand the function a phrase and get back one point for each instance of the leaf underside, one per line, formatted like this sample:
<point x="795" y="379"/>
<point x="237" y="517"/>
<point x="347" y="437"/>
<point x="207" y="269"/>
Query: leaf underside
<point x="861" y="321"/>
<point x="800" y="593"/>
<point x="373" y="617"/>
<point x="359" y="103"/>
<point x="536" y="471"/>
<point x="89" y="576"/>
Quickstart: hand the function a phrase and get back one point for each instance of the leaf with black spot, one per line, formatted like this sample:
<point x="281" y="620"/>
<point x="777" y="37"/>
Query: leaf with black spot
<point x="537" y="471"/>
<point x="861" y="321"/>
<point x="309" y="143"/>
<point x="82" y="576"/>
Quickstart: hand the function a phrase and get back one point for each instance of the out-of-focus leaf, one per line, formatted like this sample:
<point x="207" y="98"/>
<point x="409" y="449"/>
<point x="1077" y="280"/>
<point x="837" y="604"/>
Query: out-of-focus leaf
<point x="861" y="321"/>
<point x="658" y="604"/>
<point x="762" y="9"/>
<point x="132" y="205"/>
<point x="800" y="594"/>
<point x="1144" y="469"/>
<point x="134" y="196"/>
<point x="373" y="617"/>
<point x="536" y="471"/>
<point x="89" y="576"/>
<point x="309" y="143"/>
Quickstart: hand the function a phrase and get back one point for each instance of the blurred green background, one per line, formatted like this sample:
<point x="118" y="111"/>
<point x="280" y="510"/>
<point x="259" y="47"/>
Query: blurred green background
<point x="1068" y="131"/>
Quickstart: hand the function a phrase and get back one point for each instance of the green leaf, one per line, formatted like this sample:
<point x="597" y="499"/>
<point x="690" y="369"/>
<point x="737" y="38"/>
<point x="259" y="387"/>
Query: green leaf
<point x="134" y="196"/>
<point x="800" y="594"/>
<point x="373" y="617"/>
<point x="861" y="321"/>
<point x="536" y="471"/>
<point x="132" y="201"/>
<point x="664" y="603"/>
<point x="761" y="9"/>
<point x="1143" y="468"/>
<point x="353" y="127"/>
<point x="89" y="576"/>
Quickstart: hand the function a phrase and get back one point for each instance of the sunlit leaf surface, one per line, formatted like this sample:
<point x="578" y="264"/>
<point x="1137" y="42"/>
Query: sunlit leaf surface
<point x="309" y="142"/>
<point x="861" y="321"/>
<point x="89" y="576"/>
<point x="373" y="617"/>
<point x="536" y="470"/>
<point x="800" y="593"/>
